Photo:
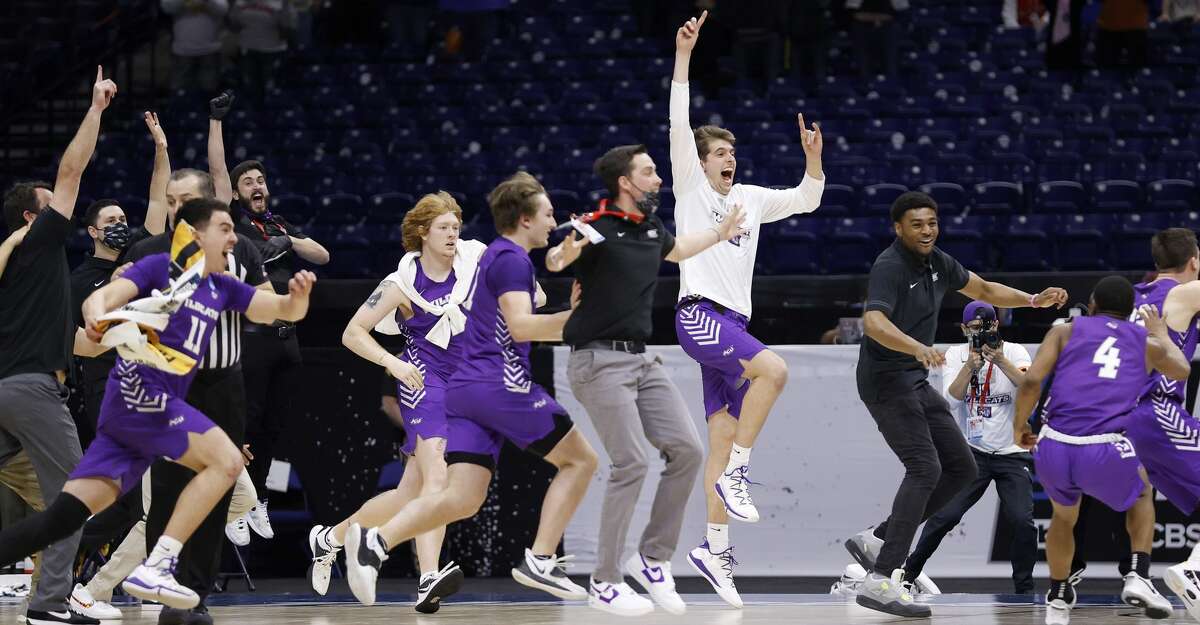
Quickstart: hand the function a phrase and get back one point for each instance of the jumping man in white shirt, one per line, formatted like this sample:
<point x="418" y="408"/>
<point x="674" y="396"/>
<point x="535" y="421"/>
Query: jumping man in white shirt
<point x="742" y="378"/>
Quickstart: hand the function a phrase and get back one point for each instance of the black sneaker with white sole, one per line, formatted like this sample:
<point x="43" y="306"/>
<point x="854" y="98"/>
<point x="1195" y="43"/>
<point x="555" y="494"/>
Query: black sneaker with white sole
<point x="548" y="574"/>
<point x="55" y="617"/>
<point x="437" y="586"/>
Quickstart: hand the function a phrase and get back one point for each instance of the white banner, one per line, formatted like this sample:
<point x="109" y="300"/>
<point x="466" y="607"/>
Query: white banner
<point x="825" y="469"/>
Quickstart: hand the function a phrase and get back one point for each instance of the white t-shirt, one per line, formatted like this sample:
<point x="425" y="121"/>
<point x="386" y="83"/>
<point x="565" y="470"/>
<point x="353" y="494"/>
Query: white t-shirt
<point x="996" y="435"/>
<point x="723" y="273"/>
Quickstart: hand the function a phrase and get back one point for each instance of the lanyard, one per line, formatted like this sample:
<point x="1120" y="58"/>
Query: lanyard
<point x="978" y="397"/>
<point x="588" y="218"/>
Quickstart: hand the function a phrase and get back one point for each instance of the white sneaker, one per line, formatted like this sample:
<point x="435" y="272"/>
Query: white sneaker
<point x="923" y="585"/>
<point x="733" y="487"/>
<point x="548" y="575"/>
<point x="364" y="556"/>
<point x="655" y="578"/>
<point x="1184" y="580"/>
<point x="323" y="559"/>
<point x="617" y="599"/>
<point x="238" y="531"/>
<point x="1058" y="609"/>
<point x="1141" y="593"/>
<point x="434" y="587"/>
<point x="83" y="603"/>
<point x="850" y="582"/>
<point x="717" y="568"/>
<point x="260" y="522"/>
<point x="155" y="581"/>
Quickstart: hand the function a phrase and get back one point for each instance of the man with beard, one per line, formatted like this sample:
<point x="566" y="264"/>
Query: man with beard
<point x="272" y="351"/>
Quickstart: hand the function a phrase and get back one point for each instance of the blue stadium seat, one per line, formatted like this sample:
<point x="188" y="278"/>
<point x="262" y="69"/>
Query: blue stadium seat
<point x="1059" y="196"/>
<point x="852" y="244"/>
<point x="1028" y="245"/>
<point x="951" y="197"/>
<point x="1130" y="248"/>
<point x="839" y="200"/>
<point x="997" y="198"/>
<point x="1117" y="196"/>
<point x="1172" y="195"/>
<point x="967" y="239"/>
<point x="341" y="208"/>
<point x="878" y="197"/>
<point x="294" y="208"/>
<point x="1083" y="241"/>
<point x="389" y="207"/>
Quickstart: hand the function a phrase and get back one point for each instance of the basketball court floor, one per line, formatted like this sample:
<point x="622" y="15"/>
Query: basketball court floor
<point x="531" y="609"/>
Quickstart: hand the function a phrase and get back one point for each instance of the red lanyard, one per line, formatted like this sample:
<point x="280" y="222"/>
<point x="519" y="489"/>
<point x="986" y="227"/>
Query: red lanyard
<point x="588" y="218"/>
<point x="977" y="399"/>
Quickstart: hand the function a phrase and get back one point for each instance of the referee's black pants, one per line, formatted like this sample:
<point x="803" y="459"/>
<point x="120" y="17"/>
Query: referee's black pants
<point x="921" y="431"/>
<point x="221" y="395"/>
<point x="272" y="366"/>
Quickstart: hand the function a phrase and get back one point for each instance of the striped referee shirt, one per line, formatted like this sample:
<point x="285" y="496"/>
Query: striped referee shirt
<point x="244" y="263"/>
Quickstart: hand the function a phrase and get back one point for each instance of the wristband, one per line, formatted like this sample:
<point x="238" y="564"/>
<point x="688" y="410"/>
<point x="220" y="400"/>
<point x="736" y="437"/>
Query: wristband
<point x="1033" y="301"/>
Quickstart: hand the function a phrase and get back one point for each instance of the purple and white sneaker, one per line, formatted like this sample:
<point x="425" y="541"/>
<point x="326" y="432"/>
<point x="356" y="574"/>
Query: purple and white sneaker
<point x="154" y="580"/>
<point x="717" y="568"/>
<point x="733" y="487"/>
<point x="617" y="599"/>
<point x="655" y="578"/>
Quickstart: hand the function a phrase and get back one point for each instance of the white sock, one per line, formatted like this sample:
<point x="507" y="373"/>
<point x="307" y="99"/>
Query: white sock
<point x="738" y="456"/>
<point x="718" y="537"/>
<point x="166" y="547"/>
<point x="425" y="574"/>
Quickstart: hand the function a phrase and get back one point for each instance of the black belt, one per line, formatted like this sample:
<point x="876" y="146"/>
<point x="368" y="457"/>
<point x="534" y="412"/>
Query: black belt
<point x="629" y="347"/>
<point x="284" y="331"/>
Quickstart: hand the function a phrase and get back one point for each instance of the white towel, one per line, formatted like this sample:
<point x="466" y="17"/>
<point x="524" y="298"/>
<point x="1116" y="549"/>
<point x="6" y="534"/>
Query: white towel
<point x="453" y="320"/>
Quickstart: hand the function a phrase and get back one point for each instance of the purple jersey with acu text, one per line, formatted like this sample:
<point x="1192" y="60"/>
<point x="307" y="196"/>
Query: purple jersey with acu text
<point x="489" y="353"/>
<point x="418" y="350"/>
<point x="1155" y="293"/>
<point x="1098" y="377"/>
<point x="190" y="327"/>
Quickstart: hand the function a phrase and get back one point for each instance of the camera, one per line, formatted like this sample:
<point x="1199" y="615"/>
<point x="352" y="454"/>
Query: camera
<point x="991" y="338"/>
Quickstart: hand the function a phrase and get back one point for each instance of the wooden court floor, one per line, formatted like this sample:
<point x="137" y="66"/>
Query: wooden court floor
<point x="702" y="610"/>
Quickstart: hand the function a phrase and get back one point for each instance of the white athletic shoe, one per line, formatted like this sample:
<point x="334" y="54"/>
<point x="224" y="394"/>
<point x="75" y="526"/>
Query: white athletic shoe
<point x="923" y="585"/>
<point x="733" y="487"/>
<point x="1058" y="609"/>
<point x="323" y="559"/>
<point x="717" y="568"/>
<point x="549" y="575"/>
<point x="1141" y="593"/>
<point x="364" y="556"/>
<point x="155" y="581"/>
<point x="617" y="599"/>
<point x="238" y="531"/>
<point x="850" y="582"/>
<point x="865" y="548"/>
<point x="83" y="603"/>
<point x="1184" y="580"/>
<point x="260" y="521"/>
<point x="655" y="577"/>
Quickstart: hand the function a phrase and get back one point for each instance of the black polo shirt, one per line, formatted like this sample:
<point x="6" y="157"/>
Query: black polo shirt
<point x="260" y="227"/>
<point x="37" y="330"/>
<point x="908" y="289"/>
<point x="618" y="278"/>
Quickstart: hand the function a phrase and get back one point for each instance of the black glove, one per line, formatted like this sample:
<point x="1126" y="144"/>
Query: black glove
<point x="276" y="247"/>
<point x="220" y="105"/>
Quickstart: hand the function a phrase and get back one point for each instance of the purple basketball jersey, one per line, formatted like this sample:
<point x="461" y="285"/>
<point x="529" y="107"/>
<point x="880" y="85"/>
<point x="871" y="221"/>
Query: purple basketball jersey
<point x="489" y="353"/>
<point x="1155" y="293"/>
<point x="1098" y="378"/>
<point x="419" y="351"/>
<point x="189" y="329"/>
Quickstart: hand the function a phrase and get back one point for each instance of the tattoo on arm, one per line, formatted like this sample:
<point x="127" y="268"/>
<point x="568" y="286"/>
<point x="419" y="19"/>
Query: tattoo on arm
<point x="374" y="299"/>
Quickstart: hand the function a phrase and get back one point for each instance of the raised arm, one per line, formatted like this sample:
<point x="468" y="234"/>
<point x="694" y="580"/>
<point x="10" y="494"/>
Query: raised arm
<point x="9" y="244"/>
<point x="685" y="41"/>
<point x="1030" y="389"/>
<point x="1003" y="296"/>
<point x="156" y="203"/>
<point x="685" y="163"/>
<point x="688" y="245"/>
<point x="83" y="145"/>
<point x="217" y="167"/>
<point x="266" y="307"/>
<point x="1161" y="352"/>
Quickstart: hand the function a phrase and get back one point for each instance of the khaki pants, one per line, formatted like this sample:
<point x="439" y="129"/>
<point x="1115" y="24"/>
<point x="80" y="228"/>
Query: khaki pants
<point x="18" y="475"/>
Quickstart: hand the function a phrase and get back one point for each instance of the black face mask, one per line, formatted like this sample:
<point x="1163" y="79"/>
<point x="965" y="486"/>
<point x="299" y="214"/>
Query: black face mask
<point x="116" y="236"/>
<point x="649" y="202"/>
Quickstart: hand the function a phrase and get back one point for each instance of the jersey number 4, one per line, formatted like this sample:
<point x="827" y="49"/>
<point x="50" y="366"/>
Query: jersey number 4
<point x="1109" y="359"/>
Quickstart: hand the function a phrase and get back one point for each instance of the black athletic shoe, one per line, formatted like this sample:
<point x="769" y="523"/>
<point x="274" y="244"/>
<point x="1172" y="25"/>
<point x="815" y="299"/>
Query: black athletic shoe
<point x="199" y="616"/>
<point x="39" y="617"/>
<point x="172" y="616"/>
<point x="437" y="586"/>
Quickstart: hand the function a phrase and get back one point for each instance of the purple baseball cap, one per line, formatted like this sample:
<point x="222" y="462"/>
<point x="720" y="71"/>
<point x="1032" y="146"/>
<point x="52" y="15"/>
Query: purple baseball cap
<point x="978" y="310"/>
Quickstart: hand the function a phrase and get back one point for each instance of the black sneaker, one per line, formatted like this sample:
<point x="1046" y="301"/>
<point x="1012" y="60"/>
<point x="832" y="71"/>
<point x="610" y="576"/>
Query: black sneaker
<point x="437" y="586"/>
<point x="54" y="617"/>
<point x="172" y="616"/>
<point x="365" y="554"/>
<point x="199" y="616"/>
